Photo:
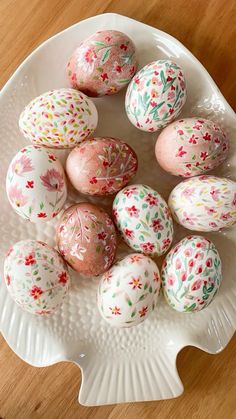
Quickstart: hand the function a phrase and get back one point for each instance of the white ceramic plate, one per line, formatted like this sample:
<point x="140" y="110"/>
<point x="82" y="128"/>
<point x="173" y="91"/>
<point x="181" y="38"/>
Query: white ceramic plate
<point x="117" y="365"/>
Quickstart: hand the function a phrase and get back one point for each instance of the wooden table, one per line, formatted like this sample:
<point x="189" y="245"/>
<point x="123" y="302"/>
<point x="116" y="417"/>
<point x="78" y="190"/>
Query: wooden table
<point x="208" y="29"/>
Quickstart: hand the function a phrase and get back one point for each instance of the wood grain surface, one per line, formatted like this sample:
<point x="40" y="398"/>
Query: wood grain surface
<point x="208" y="29"/>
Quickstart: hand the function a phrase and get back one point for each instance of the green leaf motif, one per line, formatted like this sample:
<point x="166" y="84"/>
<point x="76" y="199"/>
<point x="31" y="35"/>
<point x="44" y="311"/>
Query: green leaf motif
<point x="106" y="55"/>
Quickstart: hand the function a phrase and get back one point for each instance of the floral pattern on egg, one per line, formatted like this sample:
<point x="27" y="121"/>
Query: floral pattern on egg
<point x="101" y="166"/>
<point x="156" y="95"/>
<point x="128" y="292"/>
<point x="143" y="219"/>
<point x="86" y="238"/>
<point x="59" y="118"/>
<point x="204" y="203"/>
<point x="191" y="274"/>
<point x="36" y="184"/>
<point x="191" y="146"/>
<point x="36" y="276"/>
<point x="103" y="64"/>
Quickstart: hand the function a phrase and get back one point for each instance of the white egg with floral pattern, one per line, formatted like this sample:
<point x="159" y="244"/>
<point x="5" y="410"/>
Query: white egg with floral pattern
<point x="143" y="219"/>
<point x="191" y="274"/>
<point x="36" y="184"/>
<point x="128" y="292"/>
<point x="156" y="95"/>
<point x="36" y="276"/>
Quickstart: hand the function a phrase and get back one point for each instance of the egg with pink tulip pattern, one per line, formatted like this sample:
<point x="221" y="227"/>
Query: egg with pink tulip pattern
<point x="191" y="146"/>
<point x="204" y="203"/>
<point x="60" y="118"/>
<point x="191" y="274"/>
<point x="36" y="184"/>
<point x="143" y="219"/>
<point x="128" y="292"/>
<point x="36" y="276"/>
<point x="156" y="95"/>
<point x="103" y="64"/>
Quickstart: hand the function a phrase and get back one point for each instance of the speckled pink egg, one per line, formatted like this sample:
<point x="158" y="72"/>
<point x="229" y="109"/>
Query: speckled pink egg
<point x="191" y="146"/>
<point x="86" y="238"/>
<point x="101" y="166"/>
<point x="103" y="64"/>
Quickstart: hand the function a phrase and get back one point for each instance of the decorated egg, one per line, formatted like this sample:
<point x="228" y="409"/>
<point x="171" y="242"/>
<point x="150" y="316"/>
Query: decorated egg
<point x="155" y="95"/>
<point x="103" y="64"/>
<point x="191" y="274"/>
<point x="59" y="118"/>
<point x="101" y="166"/>
<point x="86" y="238"/>
<point x="143" y="219"/>
<point x="191" y="146"/>
<point x="204" y="203"/>
<point x="128" y="292"/>
<point x="36" y="276"/>
<point x="36" y="184"/>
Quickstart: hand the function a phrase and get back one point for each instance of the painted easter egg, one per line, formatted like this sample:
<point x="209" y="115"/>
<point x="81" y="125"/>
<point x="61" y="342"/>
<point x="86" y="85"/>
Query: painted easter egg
<point x="191" y="146"/>
<point x="155" y="95"/>
<point x="36" y="276"/>
<point x="101" y="166"/>
<point x="86" y="238"/>
<point x="59" y="118"/>
<point x="128" y="292"/>
<point x="204" y="203"/>
<point x="143" y="219"/>
<point x="191" y="274"/>
<point x="36" y="184"/>
<point x="103" y="64"/>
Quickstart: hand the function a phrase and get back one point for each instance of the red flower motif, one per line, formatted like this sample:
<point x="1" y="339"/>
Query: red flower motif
<point x="171" y="110"/>
<point x="136" y="80"/>
<point x="30" y="184"/>
<point x="132" y="211"/>
<point x="130" y="191"/>
<point x="8" y="279"/>
<point x="147" y="247"/>
<point x="199" y="270"/>
<point x="207" y="137"/>
<point x="62" y="278"/>
<point x="36" y="292"/>
<point x="102" y="236"/>
<point x="203" y="155"/>
<point x="151" y="200"/>
<point x="200" y="244"/>
<point x="115" y="310"/>
<point x="135" y="283"/>
<point x="104" y="76"/>
<point x="156" y="225"/>
<point x="209" y="262"/>
<point x="124" y="47"/>
<point x="135" y="258"/>
<point x="191" y="263"/>
<point x="129" y="233"/>
<point x="156" y="277"/>
<point x="115" y="213"/>
<point x="180" y="152"/>
<point x="192" y="139"/>
<point x="225" y="216"/>
<point x="152" y="103"/>
<point x="169" y="79"/>
<point x="165" y="243"/>
<point x="180" y="132"/>
<point x="118" y="69"/>
<point x="52" y="157"/>
<point x="93" y="180"/>
<point x="105" y="163"/>
<point x="42" y="215"/>
<point x="30" y="259"/>
<point x="196" y="285"/>
<point x="143" y="312"/>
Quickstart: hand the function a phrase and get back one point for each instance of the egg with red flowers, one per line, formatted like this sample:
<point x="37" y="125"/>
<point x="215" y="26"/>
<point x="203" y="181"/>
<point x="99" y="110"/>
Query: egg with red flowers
<point x="191" y="146"/>
<point x="86" y="238"/>
<point x="191" y="274"/>
<point x="36" y="277"/>
<point x="101" y="166"/>
<point x="103" y="64"/>
<point x="143" y="219"/>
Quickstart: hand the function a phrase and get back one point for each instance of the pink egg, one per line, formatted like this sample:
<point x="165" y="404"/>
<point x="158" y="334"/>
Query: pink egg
<point x="101" y="166"/>
<point x="103" y="64"/>
<point x="191" y="146"/>
<point x="86" y="238"/>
